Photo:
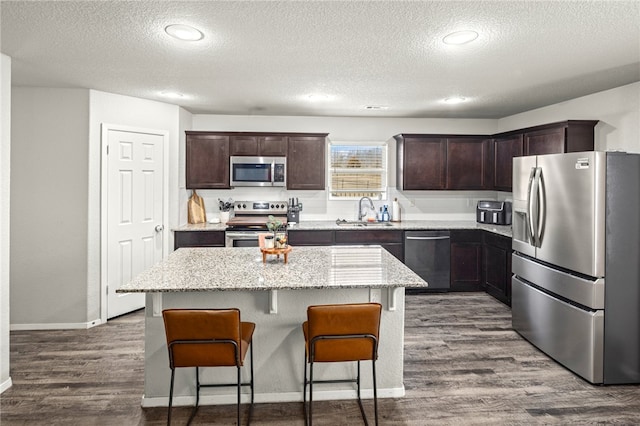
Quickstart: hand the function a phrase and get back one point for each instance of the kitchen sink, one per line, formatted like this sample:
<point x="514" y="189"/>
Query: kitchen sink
<point x="356" y="223"/>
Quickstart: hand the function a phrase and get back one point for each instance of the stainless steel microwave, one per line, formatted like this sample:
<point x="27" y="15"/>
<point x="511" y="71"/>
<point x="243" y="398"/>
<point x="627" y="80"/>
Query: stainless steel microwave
<point x="258" y="171"/>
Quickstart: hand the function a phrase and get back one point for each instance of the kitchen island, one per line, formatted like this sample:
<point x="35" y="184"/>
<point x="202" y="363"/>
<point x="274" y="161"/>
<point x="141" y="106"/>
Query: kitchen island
<point x="275" y="296"/>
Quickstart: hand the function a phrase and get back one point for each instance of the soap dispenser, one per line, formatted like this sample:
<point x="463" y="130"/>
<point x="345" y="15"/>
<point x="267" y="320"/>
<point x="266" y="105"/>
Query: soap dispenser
<point x="385" y="213"/>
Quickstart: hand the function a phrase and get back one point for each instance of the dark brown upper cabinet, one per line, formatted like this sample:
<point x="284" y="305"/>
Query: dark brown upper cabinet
<point x="469" y="163"/>
<point x="268" y="145"/>
<point x="553" y="138"/>
<point x="504" y="150"/>
<point x="443" y="162"/>
<point x="207" y="156"/>
<point x="207" y="160"/>
<point x="306" y="162"/>
<point x="474" y="162"/>
<point x="421" y="162"/>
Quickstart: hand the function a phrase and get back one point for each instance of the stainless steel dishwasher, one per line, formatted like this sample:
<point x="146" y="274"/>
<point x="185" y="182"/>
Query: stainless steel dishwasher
<point x="427" y="253"/>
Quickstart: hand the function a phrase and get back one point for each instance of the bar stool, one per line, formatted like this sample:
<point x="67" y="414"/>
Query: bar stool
<point x="339" y="333"/>
<point x="208" y="338"/>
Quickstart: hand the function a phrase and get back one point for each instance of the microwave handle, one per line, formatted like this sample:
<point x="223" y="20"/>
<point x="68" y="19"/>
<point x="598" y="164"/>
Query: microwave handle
<point x="273" y="172"/>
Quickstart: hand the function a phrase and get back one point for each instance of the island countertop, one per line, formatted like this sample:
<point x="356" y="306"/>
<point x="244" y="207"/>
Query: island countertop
<point x="219" y="269"/>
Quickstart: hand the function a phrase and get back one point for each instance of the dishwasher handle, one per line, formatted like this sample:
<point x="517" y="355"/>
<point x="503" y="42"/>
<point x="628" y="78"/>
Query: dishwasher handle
<point x="428" y="238"/>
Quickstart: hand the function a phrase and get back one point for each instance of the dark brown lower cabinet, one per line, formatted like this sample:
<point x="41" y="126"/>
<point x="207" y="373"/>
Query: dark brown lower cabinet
<point x="466" y="260"/>
<point x="198" y="239"/>
<point x="497" y="266"/>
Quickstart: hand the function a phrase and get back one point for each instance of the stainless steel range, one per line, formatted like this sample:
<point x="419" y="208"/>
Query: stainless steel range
<point x="250" y="220"/>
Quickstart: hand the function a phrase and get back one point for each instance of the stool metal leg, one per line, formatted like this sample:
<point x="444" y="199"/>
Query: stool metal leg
<point x="173" y="372"/>
<point x="195" y="409"/>
<point x="375" y="390"/>
<point x="311" y="393"/>
<point x="304" y="393"/>
<point x="238" y="404"/>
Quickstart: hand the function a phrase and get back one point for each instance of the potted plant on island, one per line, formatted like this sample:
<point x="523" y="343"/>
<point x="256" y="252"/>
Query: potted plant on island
<point x="279" y="230"/>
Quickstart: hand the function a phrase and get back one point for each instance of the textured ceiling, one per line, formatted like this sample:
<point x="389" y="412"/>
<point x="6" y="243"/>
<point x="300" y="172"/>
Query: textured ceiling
<point x="265" y="58"/>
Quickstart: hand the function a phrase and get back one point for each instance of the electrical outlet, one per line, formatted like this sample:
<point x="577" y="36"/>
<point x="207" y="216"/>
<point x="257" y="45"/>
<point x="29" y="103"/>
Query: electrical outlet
<point x="412" y="202"/>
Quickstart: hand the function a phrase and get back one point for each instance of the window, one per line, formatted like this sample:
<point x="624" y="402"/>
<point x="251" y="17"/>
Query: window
<point x="357" y="170"/>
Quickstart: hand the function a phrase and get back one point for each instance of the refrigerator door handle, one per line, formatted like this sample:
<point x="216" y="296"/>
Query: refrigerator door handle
<point x="529" y="214"/>
<point x="534" y="206"/>
<point x="541" y="205"/>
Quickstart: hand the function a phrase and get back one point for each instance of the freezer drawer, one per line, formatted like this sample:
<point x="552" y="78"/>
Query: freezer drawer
<point x="570" y="335"/>
<point x="589" y="293"/>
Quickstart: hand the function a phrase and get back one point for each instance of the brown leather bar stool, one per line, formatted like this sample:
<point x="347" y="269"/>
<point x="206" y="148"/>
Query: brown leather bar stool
<point x="208" y="338"/>
<point x="339" y="333"/>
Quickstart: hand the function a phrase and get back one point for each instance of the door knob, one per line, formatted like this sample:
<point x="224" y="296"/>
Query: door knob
<point x="159" y="228"/>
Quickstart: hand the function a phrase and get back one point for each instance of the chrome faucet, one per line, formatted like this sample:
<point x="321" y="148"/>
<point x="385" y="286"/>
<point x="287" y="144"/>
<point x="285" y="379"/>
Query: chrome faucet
<point x="360" y="214"/>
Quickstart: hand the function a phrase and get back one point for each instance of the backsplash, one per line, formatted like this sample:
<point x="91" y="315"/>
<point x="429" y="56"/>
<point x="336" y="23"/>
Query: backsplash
<point x="415" y="205"/>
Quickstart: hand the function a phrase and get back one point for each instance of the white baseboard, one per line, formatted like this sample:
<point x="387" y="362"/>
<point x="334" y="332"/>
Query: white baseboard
<point x="5" y="385"/>
<point x="163" y="401"/>
<point x="56" y="326"/>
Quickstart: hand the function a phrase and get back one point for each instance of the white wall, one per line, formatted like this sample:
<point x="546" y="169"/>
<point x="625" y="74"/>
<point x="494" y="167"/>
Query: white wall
<point x="5" y="162"/>
<point x="617" y="109"/>
<point x="49" y="153"/>
<point x="415" y="204"/>
<point x="133" y="112"/>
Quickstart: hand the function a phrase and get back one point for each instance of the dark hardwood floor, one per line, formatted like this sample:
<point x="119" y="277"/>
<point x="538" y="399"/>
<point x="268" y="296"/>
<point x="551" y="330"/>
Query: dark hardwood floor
<point x="463" y="365"/>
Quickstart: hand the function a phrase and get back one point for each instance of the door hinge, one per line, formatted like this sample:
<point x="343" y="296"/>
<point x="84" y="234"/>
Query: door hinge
<point x="107" y="290"/>
<point x="107" y="149"/>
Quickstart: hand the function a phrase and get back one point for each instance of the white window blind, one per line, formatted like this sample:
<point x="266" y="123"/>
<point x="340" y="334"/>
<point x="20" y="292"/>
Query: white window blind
<point x="357" y="170"/>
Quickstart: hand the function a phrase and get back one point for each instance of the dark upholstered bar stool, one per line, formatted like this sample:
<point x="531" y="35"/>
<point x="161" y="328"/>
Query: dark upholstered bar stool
<point x="208" y="338"/>
<point x="339" y="333"/>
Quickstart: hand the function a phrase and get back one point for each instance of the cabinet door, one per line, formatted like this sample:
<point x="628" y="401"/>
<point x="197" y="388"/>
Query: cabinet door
<point x="424" y="163"/>
<point x="244" y="145"/>
<point x="207" y="161"/>
<point x="306" y="163"/>
<point x="395" y="249"/>
<point x="547" y="141"/>
<point x="466" y="260"/>
<point x="504" y="150"/>
<point x="272" y="145"/>
<point x="497" y="266"/>
<point x="468" y="163"/>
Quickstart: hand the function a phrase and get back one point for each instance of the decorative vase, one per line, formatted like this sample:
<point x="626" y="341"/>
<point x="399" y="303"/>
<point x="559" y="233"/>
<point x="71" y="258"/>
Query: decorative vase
<point x="224" y="217"/>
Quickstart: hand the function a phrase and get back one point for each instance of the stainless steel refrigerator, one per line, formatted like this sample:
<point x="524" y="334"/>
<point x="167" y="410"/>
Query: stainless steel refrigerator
<point x="576" y="261"/>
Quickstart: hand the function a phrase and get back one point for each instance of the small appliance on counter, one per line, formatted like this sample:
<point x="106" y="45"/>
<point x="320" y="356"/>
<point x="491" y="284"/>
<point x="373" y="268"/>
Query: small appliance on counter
<point x="494" y="212"/>
<point x="293" y="212"/>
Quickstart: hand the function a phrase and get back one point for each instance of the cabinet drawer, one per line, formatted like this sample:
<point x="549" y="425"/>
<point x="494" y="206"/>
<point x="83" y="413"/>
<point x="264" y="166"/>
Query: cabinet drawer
<point x="311" y="238"/>
<point x="198" y="239"/>
<point x="368" y="237"/>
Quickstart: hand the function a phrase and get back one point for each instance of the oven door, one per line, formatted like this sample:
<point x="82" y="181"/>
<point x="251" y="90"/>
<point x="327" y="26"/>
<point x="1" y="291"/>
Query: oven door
<point x="242" y="238"/>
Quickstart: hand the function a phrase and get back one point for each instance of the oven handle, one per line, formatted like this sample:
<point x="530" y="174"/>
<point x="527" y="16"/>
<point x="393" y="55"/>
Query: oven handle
<point x="242" y="235"/>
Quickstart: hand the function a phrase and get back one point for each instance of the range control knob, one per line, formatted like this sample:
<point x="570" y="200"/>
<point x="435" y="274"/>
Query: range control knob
<point x="271" y="205"/>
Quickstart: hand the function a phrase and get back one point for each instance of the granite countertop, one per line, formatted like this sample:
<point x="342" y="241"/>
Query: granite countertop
<point x="215" y="269"/>
<point x="407" y="225"/>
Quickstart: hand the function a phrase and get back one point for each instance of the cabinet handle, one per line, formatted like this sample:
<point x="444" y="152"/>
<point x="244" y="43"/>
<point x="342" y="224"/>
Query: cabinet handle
<point x="427" y="238"/>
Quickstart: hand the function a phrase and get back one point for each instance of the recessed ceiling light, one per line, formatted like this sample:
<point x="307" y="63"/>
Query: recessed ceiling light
<point x="172" y="95"/>
<point x="460" y="37"/>
<point x="184" y="32"/>
<point x="318" y="97"/>
<point x="455" y="100"/>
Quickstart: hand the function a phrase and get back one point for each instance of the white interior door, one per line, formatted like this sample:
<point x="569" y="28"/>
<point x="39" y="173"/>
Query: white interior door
<point x="135" y="223"/>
